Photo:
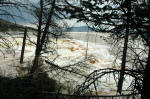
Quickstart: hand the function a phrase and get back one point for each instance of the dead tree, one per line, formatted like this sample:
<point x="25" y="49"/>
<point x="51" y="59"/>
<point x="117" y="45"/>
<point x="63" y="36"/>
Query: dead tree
<point x="41" y="40"/>
<point x="23" y="46"/>
<point x="123" y="65"/>
<point x="46" y="15"/>
<point x="98" y="74"/>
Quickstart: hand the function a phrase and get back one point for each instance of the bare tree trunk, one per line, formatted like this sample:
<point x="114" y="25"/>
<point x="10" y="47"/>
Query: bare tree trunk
<point x="123" y="65"/>
<point x="146" y="80"/>
<point x="121" y="77"/>
<point x="41" y="40"/>
<point x="23" y="46"/>
<point x="87" y="44"/>
<point x="37" y="52"/>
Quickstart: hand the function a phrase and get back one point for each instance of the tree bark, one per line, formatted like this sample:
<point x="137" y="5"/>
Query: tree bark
<point x="41" y="40"/>
<point x="146" y="79"/>
<point x="23" y="46"/>
<point x="123" y="65"/>
<point x="37" y="52"/>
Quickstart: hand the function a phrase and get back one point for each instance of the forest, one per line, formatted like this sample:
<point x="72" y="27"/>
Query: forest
<point x="74" y="49"/>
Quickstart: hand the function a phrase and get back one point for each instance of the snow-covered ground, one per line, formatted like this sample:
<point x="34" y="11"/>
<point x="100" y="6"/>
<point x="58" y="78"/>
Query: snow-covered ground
<point x="69" y="51"/>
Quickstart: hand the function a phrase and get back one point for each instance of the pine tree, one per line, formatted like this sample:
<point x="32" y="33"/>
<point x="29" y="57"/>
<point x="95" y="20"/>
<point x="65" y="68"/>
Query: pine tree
<point x="119" y="17"/>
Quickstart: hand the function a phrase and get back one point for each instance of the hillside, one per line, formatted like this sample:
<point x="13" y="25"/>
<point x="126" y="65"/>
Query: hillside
<point x="9" y="26"/>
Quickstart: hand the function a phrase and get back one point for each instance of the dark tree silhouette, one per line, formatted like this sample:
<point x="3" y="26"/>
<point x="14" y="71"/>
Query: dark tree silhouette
<point x="46" y="15"/>
<point x="123" y="65"/>
<point x="41" y="40"/>
<point x="120" y="17"/>
<point x="23" y="46"/>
